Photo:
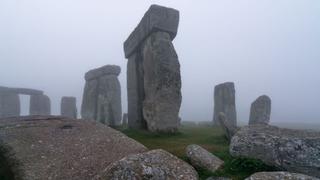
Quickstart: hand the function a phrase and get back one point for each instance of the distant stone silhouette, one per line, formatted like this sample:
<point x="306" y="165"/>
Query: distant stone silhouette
<point x="68" y="107"/>
<point x="224" y="101"/>
<point x="260" y="110"/>
<point x="40" y="105"/>
<point x="102" y="96"/>
<point x="153" y="72"/>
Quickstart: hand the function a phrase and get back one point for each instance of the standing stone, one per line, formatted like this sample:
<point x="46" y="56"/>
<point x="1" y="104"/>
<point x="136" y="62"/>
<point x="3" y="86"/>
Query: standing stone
<point x="69" y="107"/>
<point x="224" y="101"/>
<point x="40" y="105"/>
<point x="9" y="104"/>
<point x="226" y="126"/>
<point x="260" y="111"/>
<point x="153" y="72"/>
<point x="102" y="96"/>
<point x="125" y="120"/>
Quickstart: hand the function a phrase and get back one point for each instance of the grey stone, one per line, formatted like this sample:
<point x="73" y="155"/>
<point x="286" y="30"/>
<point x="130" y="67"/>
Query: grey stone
<point x="40" y="105"/>
<point x="69" y="107"/>
<point x="9" y="104"/>
<point x="260" y="110"/>
<point x="89" y="100"/>
<point x="201" y="158"/>
<point x="109" y="110"/>
<point x="102" y="96"/>
<point x="292" y="150"/>
<point x="162" y="83"/>
<point x="224" y="101"/>
<point x="135" y="92"/>
<point x="51" y="147"/>
<point x="157" y="18"/>
<point x="228" y="128"/>
<point x="154" y="165"/>
<point x="25" y="91"/>
<point x="104" y="70"/>
<point x="125" y="119"/>
<point x="280" y="175"/>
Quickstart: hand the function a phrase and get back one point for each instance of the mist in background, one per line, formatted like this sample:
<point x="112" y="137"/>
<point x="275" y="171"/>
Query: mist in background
<point x="267" y="47"/>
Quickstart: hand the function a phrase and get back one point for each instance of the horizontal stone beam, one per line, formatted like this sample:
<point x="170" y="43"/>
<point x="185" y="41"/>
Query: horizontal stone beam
<point x="104" y="70"/>
<point x="157" y="18"/>
<point x="25" y="91"/>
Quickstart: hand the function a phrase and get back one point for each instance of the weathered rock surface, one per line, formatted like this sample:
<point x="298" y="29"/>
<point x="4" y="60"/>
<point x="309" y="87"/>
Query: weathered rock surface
<point x="279" y="176"/>
<point x="40" y="105"/>
<point x="9" y="104"/>
<point x="162" y="84"/>
<point x="292" y="150"/>
<point x="69" y="107"/>
<point x="227" y="127"/>
<point x="155" y="164"/>
<point x="224" y="101"/>
<point x="153" y="72"/>
<point x="157" y="18"/>
<point x="49" y="147"/>
<point x="260" y="111"/>
<point x="201" y="158"/>
<point x="102" y="96"/>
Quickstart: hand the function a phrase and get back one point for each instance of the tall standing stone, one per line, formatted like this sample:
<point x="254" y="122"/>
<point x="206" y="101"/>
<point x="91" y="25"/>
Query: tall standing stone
<point x="68" y="107"/>
<point x="40" y="105"/>
<point x="260" y="111"/>
<point x="102" y="95"/>
<point x="153" y="73"/>
<point x="224" y="101"/>
<point x="9" y="104"/>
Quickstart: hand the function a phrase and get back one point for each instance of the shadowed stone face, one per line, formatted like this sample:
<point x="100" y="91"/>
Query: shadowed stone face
<point x="153" y="72"/>
<point x="224" y="101"/>
<point x="102" y="96"/>
<point x="69" y="107"/>
<point x="40" y="105"/>
<point x="9" y="104"/>
<point x="260" y="110"/>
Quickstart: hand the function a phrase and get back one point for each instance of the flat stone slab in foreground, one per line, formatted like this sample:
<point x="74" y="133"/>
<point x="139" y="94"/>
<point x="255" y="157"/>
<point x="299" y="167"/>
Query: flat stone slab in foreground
<point x="292" y="150"/>
<point x="49" y="147"/>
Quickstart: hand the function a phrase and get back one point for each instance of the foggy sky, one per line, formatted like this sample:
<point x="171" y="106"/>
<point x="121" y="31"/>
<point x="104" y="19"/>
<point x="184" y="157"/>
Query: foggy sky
<point x="266" y="47"/>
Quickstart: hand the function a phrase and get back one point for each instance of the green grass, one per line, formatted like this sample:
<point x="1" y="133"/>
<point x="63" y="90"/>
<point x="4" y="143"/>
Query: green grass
<point x="210" y="138"/>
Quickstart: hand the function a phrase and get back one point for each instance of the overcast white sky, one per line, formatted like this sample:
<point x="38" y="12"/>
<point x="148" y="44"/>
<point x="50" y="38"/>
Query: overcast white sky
<point x="265" y="46"/>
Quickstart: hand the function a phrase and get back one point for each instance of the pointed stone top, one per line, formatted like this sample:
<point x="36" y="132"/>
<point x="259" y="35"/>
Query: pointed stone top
<point x="104" y="70"/>
<point x="157" y="18"/>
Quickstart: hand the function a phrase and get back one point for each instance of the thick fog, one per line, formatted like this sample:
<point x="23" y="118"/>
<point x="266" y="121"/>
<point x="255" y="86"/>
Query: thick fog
<point x="266" y="47"/>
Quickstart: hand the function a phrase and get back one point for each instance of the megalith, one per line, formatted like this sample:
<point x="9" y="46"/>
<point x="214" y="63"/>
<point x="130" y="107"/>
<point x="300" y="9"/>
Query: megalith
<point x="9" y="103"/>
<point x="40" y="105"/>
<point x="153" y="72"/>
<point x="260" y="111"/>
<point x="102" y="96"/>
<point x="224" y="101"/>
<point x="68" y="107"/>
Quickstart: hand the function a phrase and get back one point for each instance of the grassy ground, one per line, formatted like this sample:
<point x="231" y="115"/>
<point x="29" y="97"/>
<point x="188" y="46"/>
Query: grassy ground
<point x="210" y="138"/>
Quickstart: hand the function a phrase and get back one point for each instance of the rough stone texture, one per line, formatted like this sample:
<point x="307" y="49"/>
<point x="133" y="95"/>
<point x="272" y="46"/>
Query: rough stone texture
<point x="292" y="150"/>
<point x="260" y="111"/>
<point x="279" y="176"/>
<point x="125" y="120"/>
<point x="89" y="100"/>
<point x="155" y="165"/>
<point x="201" y="158"/>
<point x="69" y="107"/>
<point x="162" y="84"/>
<point x="157" y="18"/>
<point x="109" y="110"/>
<point x="104" y="70"/>
<point x="49" y="147"/>
<point x="9" y="104"/>
<point x="135" y="92"/>
<point x="40" y="105"/>
<point x="102" y="96"/>
<point x="227" y="127"/>
<point x="224" y="101"/>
